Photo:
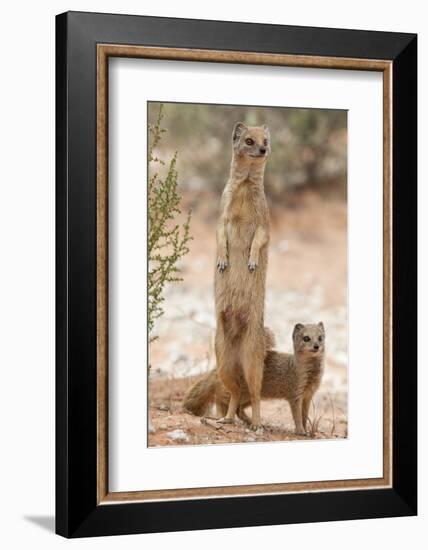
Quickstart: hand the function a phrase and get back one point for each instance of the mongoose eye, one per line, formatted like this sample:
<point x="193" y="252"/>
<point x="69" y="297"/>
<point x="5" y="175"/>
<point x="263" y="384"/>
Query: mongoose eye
<point x="319" y="338"/>
<point x="249" y="141"/>
<point x="306" y="339"/>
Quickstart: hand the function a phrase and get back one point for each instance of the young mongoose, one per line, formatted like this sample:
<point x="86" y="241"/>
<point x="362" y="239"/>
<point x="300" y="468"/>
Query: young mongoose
<point x="239" y="286"/>
<point x="294" y="377"/>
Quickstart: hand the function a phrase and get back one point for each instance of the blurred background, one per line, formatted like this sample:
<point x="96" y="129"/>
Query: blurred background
<point x="308" y="146"/>
<point x="306" y="189"/>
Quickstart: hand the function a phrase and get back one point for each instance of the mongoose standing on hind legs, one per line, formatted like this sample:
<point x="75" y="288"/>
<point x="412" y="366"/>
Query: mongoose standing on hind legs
<point x="294" y="377"/>
<point x="242" y="239"/>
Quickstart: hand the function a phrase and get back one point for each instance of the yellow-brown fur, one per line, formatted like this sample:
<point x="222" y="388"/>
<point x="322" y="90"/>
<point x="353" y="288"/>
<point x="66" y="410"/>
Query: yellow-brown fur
<point x="294" y="377"/>
<point x="242" y="239"/>
<point x="201" y="395"/>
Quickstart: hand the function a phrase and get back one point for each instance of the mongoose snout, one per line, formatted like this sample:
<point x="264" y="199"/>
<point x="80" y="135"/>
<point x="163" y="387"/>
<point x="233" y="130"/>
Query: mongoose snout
<point x="260" y="154"/>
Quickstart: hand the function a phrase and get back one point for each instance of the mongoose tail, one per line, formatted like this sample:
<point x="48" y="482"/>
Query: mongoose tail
<point x="201" y="395"/>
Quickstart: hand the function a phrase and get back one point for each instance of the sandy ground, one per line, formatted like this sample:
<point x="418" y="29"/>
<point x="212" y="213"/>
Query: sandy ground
<point x="306" y="282"/>
<point x="173" y="426"/>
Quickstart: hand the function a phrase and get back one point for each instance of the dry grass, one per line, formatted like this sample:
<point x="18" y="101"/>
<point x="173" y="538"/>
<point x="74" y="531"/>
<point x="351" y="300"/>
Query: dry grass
<point x="314" y="421"/>
<point x="333" y="415"/>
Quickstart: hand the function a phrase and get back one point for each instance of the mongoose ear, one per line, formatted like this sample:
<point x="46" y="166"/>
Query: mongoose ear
<point x="297" y="328"/>
<point x="321" y="325"/>
<point x="238" y="131"/>
<point x="266" y="129"/>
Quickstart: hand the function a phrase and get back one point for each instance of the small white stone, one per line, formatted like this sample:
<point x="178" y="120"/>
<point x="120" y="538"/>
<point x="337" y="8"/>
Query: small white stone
<point x="178" y="435"/>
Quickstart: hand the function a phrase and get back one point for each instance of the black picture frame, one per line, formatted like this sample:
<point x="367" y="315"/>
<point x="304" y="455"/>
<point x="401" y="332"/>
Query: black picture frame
<point x="77" y="511"/>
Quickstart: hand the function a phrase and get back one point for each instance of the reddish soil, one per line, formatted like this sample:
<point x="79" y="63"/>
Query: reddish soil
<point x="168" y="417"/>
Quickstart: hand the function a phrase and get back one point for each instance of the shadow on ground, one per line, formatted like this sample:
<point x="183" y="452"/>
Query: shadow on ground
<point x="45" y="522"/>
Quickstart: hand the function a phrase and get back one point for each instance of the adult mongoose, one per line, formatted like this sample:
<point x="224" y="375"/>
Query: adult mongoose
<point x="240" y="278"/>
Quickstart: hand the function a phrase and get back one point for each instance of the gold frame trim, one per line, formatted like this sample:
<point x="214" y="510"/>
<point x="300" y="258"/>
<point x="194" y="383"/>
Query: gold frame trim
<point x="104" y="51"/>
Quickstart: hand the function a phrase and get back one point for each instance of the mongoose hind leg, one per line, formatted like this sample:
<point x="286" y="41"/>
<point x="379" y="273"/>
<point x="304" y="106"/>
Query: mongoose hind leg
<point x="228" y="370"/>
<point x="222" y="413"/>
<point x="235" y="395"/>
<point x="229" y="375"/>
<point x="252" y="365"/>
<point x="221" y="408"/>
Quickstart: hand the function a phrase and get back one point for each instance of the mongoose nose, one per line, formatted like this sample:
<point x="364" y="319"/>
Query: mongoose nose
<point x="262" y="150"/>
<point x="316" y="347"/>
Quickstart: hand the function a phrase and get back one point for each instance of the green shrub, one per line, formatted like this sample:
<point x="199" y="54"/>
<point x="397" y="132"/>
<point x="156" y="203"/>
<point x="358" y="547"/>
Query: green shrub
<point x="167" y="240"/>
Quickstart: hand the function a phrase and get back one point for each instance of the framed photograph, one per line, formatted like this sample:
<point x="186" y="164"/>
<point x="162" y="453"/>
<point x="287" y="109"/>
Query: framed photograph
<point x="236" y="274"/>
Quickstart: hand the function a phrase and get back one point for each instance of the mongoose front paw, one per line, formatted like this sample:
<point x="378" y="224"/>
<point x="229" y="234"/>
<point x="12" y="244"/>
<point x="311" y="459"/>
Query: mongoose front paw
<point x="252" y="265"/>
<point x="301" y="432"/>
<point x="221" y="265"/>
